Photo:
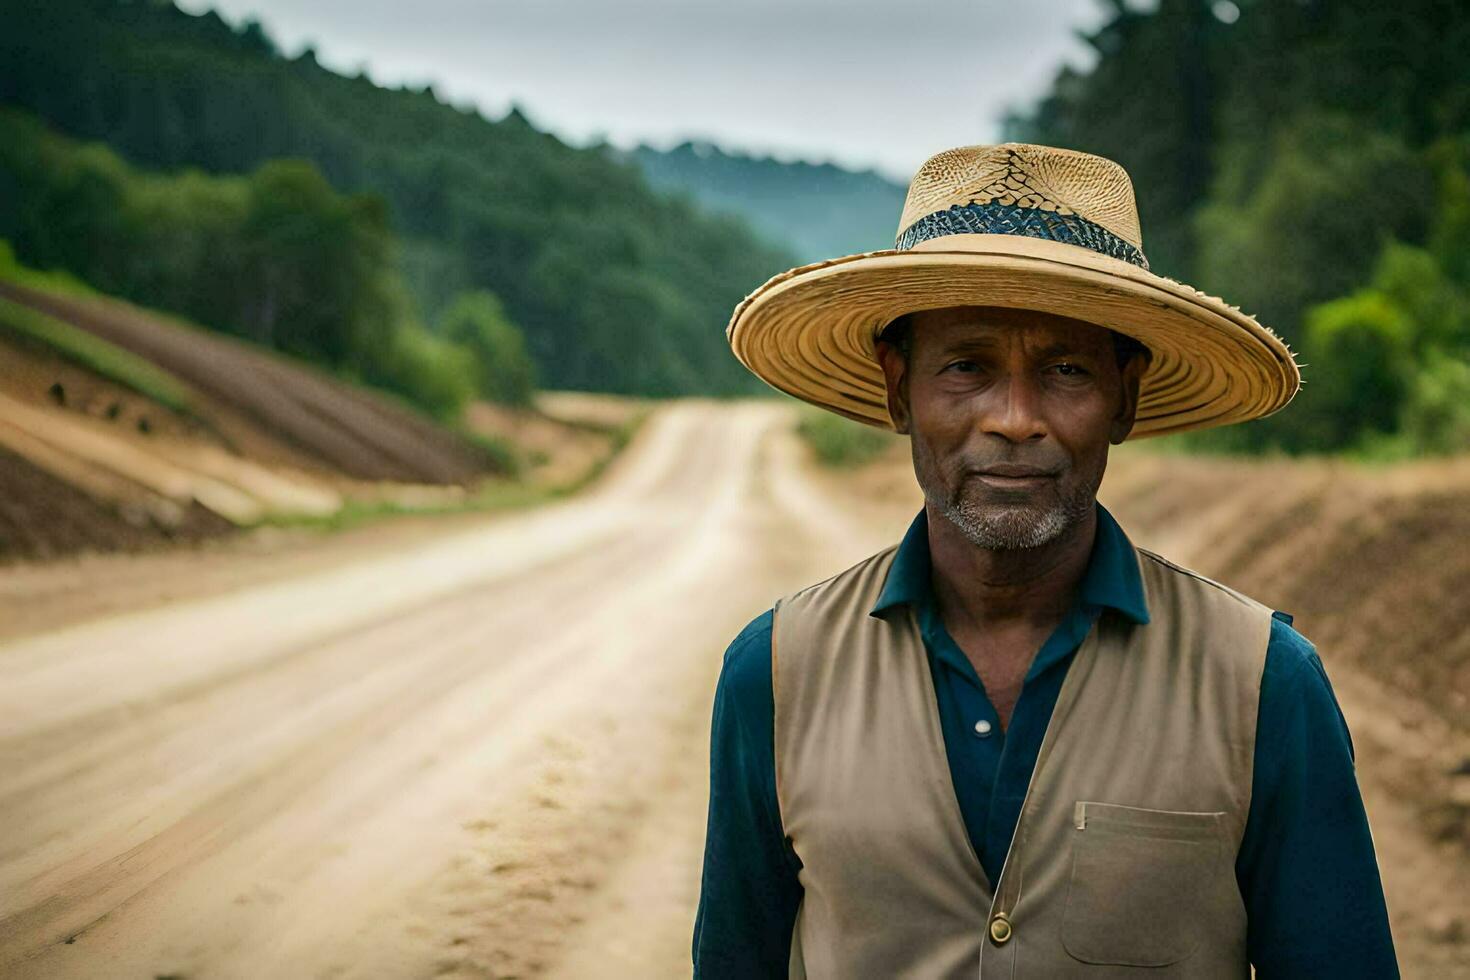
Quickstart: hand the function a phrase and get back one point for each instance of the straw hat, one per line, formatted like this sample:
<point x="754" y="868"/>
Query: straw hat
<point x="1021" y="226"/>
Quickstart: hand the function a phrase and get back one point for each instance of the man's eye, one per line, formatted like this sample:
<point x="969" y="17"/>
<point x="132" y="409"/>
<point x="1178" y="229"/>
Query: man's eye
<point x="1067" y="369"/>
<point x="963" y="367"/>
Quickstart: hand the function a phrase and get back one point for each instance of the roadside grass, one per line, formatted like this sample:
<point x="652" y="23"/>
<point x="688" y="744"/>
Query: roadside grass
<point x="841" y="442"/>
<point x="35" y="329"/>
<point x="501" y="494"/>
<point x="56" y="281"/>
<point x="502" y="453"/>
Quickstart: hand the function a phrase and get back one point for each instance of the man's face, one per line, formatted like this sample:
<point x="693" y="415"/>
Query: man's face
<point x="1010" y="413"/>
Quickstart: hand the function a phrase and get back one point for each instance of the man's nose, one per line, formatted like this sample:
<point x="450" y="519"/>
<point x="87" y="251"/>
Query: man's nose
<point x="1013" y="409"/>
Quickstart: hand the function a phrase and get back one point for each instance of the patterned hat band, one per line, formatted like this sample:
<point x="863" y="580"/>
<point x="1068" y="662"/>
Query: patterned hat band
<point x="1011" y="219"/>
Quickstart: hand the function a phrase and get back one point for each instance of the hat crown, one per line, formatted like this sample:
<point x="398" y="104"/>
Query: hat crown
<point x="1025" y="175"/>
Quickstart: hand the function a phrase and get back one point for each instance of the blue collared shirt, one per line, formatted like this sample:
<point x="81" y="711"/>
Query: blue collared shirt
<point x="1306" y="867"/>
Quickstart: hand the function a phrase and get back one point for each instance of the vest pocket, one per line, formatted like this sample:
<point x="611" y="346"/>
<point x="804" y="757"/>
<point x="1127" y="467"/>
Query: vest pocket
<point x="1138" y="876"/>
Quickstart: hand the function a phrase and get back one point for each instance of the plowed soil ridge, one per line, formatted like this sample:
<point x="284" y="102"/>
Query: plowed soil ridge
<point x="355" y="432"/>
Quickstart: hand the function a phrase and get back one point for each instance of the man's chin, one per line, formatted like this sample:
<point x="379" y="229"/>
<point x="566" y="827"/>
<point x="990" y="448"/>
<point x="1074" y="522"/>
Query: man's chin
<point x="1007" y="527"/>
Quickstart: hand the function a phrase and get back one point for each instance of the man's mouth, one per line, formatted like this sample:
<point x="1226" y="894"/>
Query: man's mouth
<point x="1014" y="476"/>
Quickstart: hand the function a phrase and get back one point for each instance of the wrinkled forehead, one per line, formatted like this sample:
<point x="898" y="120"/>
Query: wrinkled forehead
<point x="983" y="326"/>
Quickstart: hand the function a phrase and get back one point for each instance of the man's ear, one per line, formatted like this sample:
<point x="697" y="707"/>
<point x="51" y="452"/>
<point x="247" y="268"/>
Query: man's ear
<point x="895" y="379"/>
<point x="1130" y="379"/>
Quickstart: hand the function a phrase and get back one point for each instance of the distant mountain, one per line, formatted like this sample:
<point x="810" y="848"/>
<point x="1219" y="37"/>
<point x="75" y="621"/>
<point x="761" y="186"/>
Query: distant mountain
<point x="817" y="211"/>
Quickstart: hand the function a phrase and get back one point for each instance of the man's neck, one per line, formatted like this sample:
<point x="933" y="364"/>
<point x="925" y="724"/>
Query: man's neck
<point x="982" y="588"/>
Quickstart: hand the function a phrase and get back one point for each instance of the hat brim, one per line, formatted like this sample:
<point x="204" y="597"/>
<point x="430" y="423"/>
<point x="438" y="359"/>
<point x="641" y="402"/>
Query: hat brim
<point x="811" y="331"/>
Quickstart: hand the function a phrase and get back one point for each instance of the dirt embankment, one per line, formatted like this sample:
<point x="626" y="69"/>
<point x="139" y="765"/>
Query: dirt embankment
<point x="346" y="429"/>
<point x="1372" y="562"/>
<point x="90" y="462"/>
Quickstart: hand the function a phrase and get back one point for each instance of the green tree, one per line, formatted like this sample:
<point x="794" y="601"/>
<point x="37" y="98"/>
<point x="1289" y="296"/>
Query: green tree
<point x="1386" y="367"/>
<point x="429" y="371"/>
<point x="1450" y="158"/>
<point x="321" y="265"/>
<point x="1436" y="414"/>
<point x="480" y="201"/>
<point x="1414" y="280"/>
<point x="1311" y="226"/>
<point x="504" y="370"/>
<point x="277" y="256"/>
<point x="1360" y="355"/>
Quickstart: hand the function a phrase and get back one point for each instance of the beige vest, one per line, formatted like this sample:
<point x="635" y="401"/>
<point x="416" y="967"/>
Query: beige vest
<point x="1124" y="855"/>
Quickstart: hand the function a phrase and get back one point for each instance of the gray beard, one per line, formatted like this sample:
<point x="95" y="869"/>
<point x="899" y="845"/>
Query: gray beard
<point x="1004" y="527"/>
<point x="1012" y="528"/>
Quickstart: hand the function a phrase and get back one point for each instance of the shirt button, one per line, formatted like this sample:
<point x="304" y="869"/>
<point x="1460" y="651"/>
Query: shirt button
<point x="1000" y="929"/>
<point x="982" y="728"/>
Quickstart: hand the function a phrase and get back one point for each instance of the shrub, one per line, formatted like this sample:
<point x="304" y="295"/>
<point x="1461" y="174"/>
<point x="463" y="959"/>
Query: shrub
<point x="430" y="372"/>
<point x="1359" y="353"/>
<point x="839" y="441"/>
<point x="1436" y="414"/>
<point x="504" y="371"/>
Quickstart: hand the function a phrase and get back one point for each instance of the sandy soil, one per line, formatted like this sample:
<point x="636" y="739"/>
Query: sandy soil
<point x="479" y="748"/>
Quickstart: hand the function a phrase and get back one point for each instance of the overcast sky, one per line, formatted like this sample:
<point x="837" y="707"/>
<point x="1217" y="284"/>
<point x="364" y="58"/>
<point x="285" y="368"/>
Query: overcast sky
<point x="866" y="83"/>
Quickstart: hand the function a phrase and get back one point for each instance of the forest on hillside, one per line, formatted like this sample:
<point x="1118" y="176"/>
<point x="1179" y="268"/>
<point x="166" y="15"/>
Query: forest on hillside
<point x="212" y="135"/>
<point x="1309" y="161"/>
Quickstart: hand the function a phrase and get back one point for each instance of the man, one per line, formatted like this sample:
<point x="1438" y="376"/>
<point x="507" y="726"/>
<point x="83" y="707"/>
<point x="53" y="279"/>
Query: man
<point x="1015" y="745"/>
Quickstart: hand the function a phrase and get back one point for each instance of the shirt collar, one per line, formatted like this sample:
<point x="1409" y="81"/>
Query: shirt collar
<point x="1112" y="578"/>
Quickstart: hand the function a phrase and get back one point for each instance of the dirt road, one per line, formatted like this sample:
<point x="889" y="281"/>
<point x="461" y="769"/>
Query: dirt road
<point x="478" y="756"/>
<point x="478" y="753"/>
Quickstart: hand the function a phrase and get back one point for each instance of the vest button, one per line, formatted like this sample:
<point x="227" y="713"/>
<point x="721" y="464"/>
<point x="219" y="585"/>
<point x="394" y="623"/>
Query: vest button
<point x="1000" y="929"/>
<point x="982" y="728"/>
